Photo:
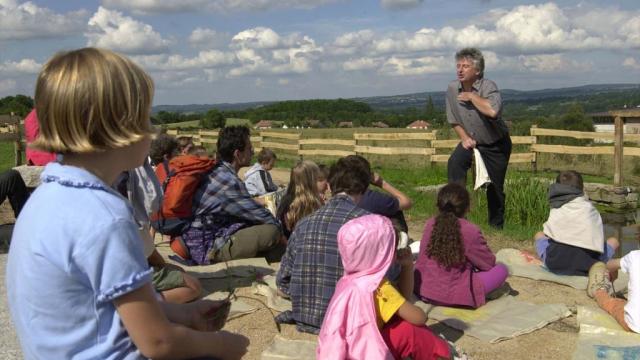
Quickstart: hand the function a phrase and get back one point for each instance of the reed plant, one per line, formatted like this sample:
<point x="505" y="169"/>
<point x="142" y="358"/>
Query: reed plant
<point x="526" y="205"/>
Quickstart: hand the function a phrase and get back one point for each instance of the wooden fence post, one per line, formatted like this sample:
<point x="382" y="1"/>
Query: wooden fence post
<point x="534" y="161"/>
<point x="18" y="142"/>
<point x="617" y="151"/>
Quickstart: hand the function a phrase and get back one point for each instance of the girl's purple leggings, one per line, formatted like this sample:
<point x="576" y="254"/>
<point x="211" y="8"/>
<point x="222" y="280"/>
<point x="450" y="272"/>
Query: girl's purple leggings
<point x="493" y="278"/>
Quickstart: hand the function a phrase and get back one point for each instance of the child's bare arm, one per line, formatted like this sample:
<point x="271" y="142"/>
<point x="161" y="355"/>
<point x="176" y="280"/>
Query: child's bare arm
<point x="405" y="281"/>
<point x="155" y="259"/>
<point x="412" y="314"/>
<point x="407" y="310"/>
<point x="158" y="338"/>
<point x="613" y="265"/>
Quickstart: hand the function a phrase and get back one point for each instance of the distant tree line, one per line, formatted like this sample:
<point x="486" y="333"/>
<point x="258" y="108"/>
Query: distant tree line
<point x="20" y="105"/>
<point x="565" y="113"/>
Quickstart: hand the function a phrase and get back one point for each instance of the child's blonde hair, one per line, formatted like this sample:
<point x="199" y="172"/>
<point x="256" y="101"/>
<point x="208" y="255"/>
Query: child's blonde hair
<point x="303" y="188"/>
<point x="91" y="100"/>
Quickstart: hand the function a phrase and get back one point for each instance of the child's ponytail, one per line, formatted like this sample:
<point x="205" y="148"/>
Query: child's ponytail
<point x="446" y="245"/>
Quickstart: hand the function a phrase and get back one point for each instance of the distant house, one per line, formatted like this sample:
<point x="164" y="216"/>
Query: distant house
<point x="380" y="124"/>
<point x="345" y="124"/>
<point x="312" y="123"/>
<point x="263" y="125"/>
<point x="604" y="122"/>
<point x="419" y="124"/>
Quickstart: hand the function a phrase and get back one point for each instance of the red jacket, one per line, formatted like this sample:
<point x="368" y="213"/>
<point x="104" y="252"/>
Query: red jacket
<point x="457" y="285"/>
<point x="31" y="130"/>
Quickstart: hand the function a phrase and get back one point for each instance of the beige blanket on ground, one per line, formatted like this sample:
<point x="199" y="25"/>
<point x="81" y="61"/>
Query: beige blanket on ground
<point x="285" y="349"/>
<point x="601" y="337"/>
<point x="238" y="307"/>
<point x="245" y="268"/>
<point x="267" y="288"/>
<point x="498" y="320"/>
<point x="524" y="264"/>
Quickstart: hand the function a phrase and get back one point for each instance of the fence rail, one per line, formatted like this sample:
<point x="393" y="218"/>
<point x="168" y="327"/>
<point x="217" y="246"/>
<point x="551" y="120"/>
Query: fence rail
<point x="10" y="131"/>
<point x="385" y="144"/>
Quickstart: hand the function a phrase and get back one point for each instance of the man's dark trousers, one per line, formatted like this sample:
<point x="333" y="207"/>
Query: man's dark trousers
<point x="496" y="159"/>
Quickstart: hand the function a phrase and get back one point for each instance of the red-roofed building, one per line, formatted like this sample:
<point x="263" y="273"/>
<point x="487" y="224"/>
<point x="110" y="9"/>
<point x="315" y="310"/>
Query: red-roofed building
<point x="419" y="124"/>
<point x="263" y="125"/>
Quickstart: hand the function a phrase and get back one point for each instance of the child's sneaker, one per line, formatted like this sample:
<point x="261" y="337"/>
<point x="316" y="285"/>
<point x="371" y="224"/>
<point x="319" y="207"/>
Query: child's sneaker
<point x="599" y="279"/>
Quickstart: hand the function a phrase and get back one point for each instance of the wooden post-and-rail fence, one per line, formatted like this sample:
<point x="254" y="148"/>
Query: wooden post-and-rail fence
<point x="292" y="142"/>
<point x="10" y="131"/>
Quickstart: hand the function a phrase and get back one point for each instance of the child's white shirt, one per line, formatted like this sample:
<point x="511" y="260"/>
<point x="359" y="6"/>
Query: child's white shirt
<point x="630" y="264"/>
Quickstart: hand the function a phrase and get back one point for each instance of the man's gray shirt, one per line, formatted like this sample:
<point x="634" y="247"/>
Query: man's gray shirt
<point x="483" y="129"/>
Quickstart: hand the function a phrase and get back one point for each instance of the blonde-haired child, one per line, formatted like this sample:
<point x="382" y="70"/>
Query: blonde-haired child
<point x="77" y="280"/>
<point x="302" y="197"/>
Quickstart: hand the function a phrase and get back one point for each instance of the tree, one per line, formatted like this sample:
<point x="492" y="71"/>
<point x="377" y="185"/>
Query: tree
<point x="19" y="104"/>
<point x="213" y="119"/>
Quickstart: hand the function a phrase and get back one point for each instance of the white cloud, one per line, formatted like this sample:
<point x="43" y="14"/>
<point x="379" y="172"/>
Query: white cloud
<point x="111" y="29"/>
<point x="24" y="66"/>
<point x="204" y="59"/>
<point x="631" y="63"/>
<point x="363" y="63"/>
<point x="401" y="4"/>
<point x="7" y="85"/>
<point x="29" y="21"/>
<point x="522" y="29"/>
<point x="257" y="38"/>
<point x="172" y="6"/>
<point x="397" y="66"/>
<point x="207" y="38"/>
<point x="550" y="63"/>
<point x="263" y="51"/>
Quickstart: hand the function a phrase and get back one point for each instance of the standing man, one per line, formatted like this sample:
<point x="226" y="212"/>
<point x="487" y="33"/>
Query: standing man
<point x="474" y="109"/>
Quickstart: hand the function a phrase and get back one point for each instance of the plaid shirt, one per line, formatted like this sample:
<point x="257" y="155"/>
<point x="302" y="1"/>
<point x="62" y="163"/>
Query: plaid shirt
<point x="222" y="205"/>
<point x="311" y="266"/>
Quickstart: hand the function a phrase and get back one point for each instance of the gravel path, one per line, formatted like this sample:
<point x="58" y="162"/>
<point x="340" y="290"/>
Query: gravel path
<point x="9" y="345"/>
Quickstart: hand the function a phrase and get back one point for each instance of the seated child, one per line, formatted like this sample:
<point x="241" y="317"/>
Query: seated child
<point x="301" y="197"/>
<point x="199" y="150"/>
<point x="626" y="313"/>
<point x="185" y="143"/>
<point x="78" y="284"/>
<point x="573" y="237"/>
<point x="257" y="178"/>
<point x="368" y="318"/>
<point x="143" y="190"/>
<point x="455" y="267"/>
<point x="323" y="181"/>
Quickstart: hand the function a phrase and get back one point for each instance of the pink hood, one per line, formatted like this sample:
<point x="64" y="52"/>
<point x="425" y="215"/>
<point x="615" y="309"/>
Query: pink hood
<point x="31" y="131"/>
<point x="349" y="329"/>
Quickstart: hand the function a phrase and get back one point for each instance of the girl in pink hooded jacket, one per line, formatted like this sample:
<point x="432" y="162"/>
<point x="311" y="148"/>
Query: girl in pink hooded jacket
<point x="367" y="317"/>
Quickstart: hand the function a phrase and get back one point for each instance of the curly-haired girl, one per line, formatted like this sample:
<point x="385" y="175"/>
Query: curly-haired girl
<point x="455" y="266"/>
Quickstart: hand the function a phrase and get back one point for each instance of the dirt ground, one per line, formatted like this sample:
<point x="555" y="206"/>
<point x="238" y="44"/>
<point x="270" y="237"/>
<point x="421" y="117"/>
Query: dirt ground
<point x="556" y="341"/>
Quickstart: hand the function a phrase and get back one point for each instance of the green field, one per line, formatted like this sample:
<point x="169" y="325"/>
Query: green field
<point x="196" y="123"/>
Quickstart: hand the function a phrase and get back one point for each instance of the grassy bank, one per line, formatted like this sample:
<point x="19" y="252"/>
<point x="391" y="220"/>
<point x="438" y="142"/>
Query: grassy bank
<point x="526" y="203"/>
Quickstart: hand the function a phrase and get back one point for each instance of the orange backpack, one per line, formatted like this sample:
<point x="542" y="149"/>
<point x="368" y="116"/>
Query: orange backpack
<point x="180" y="178"/>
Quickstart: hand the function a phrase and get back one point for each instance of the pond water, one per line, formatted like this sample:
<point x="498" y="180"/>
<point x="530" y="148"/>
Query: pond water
<point x="625" y="227"/>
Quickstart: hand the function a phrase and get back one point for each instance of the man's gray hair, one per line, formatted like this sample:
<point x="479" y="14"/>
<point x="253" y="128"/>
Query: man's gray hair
<point x="475" y="55"/>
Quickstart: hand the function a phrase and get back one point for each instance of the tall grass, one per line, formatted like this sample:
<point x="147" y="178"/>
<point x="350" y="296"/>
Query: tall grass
<point x="526" y="206"/>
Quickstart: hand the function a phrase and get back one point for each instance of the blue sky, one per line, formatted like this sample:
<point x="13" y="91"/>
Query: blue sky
<point x="213" y="51"/>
